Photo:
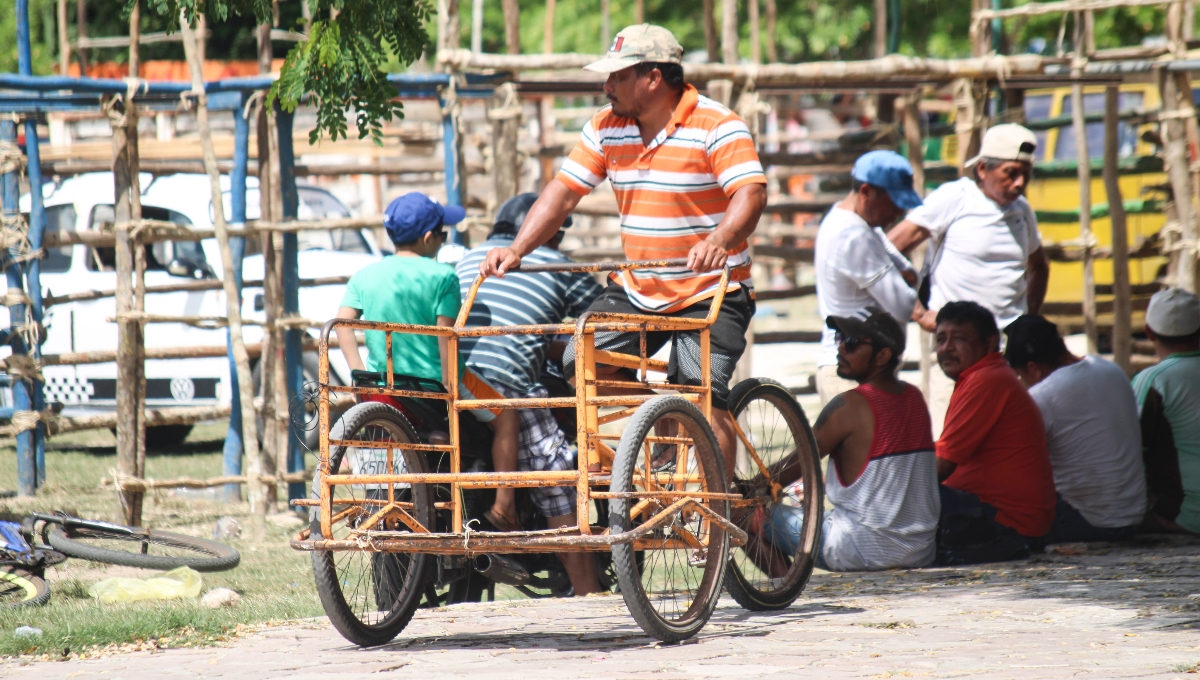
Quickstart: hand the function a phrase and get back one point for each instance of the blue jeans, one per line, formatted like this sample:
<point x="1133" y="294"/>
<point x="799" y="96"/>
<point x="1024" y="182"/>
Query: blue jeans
<point x="1071" y="527"/>
<point x="968" y="533"/>
<point x="785" y="526"/>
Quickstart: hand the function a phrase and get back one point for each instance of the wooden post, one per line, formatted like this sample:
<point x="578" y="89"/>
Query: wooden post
<point x="512" y="26"/>
<point x="729" y="31"/>
<point x="639" y="11"/>
<point x="546" y="121"/>
<point x="476" y="26"/>
<point x="1175" y="155"/>
<point x="129" y="509"/>
<point x="605" y="25"/>
<point x="139" y="252"/>
<point x="505" y="116"/>
<point x="1084" y="173"/>
<point x="966" y="119"/>
<point x="772" y="55"/>
<point x="711" y="45"/>
<point x="1122" y="305"/>
<point x="64" y="40"/>
<point x="81" y="54"/>
<point x="755" y="32"/>
<point x="879" y="23"/>
<point x="202" y="37"/>
<point x="135" y="36"/>
<point x="233" y="309"/>
<point x="270" y="202"/>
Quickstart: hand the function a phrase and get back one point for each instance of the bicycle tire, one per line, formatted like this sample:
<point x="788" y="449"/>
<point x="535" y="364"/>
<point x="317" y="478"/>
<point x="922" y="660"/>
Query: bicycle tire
<point x="20" y="588"/>
<point x="760" y="594"/>
<point x="659" y="612"/>
<point x="396" y="580"/>
<point x="199" y="553"/>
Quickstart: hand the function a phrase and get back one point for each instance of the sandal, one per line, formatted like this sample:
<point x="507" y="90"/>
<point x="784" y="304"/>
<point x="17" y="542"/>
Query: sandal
<point x="501" y="522"/>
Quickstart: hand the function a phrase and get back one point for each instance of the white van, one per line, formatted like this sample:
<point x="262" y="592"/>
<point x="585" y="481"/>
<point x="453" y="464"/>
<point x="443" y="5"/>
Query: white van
<point x="85" y="203"/>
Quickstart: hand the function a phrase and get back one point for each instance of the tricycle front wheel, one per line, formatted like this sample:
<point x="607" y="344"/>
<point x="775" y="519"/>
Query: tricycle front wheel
<point x="671" y="578"/>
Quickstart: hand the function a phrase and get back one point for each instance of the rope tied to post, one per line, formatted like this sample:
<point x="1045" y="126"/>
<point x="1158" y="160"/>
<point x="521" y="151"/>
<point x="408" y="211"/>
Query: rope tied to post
<point x="509" y="107"/>
<point x="11" y="158"/>
<point x="14" y="238"/>
<point x="23" y="421"/>
<point x="24" y="367"/>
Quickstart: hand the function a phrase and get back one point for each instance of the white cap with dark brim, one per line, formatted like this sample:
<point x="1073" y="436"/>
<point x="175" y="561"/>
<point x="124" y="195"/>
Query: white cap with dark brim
<point x="1007" y="142"/>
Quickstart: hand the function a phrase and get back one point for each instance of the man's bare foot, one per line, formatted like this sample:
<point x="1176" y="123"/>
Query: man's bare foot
<point x="502" y="520"/>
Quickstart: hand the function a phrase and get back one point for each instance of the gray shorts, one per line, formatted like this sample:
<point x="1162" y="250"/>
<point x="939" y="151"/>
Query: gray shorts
<point x="727" y="339"/>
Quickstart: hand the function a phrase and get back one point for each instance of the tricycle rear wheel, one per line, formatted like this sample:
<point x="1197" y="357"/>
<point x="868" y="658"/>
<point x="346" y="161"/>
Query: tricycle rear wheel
<point x="371" y="596"/>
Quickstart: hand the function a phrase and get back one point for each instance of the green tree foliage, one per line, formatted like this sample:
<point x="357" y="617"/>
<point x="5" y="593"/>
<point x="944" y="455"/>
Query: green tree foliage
<point x="338" y="66"/>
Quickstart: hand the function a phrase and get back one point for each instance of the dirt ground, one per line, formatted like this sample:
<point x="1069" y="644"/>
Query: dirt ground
<point x="1114" y="612"/>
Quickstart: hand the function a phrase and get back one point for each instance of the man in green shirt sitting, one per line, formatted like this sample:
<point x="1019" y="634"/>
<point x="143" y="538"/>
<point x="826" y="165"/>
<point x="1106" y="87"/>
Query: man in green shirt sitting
<point x="410" y="287"/>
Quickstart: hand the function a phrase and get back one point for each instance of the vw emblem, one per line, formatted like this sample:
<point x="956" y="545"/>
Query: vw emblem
<point x="183" y="389"/>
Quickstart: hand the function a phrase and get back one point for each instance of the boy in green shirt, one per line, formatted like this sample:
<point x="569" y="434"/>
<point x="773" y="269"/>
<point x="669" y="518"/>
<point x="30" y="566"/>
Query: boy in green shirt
<point x="411" y="288"/>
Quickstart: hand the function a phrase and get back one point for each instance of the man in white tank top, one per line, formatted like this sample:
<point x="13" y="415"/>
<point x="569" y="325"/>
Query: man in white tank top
<point x="882" y="480"/>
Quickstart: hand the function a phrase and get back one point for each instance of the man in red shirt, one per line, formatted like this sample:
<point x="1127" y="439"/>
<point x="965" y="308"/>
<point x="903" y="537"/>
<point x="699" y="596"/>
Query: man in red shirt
<point x="997" y="486"/>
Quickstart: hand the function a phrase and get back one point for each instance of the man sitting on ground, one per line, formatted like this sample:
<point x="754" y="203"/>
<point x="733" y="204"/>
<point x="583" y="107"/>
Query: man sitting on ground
<point x="883" y="479"/>
<point x="1168" y="398"/>
<point x="1092" y="433"/>
<point x="409" y="287"/>
<point x="513" y="363"/>
<point x="997" y="486"/>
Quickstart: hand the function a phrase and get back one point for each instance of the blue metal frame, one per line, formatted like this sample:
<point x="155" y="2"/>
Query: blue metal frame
<point x="232" y="461"/>
<point x="38" y="94"/>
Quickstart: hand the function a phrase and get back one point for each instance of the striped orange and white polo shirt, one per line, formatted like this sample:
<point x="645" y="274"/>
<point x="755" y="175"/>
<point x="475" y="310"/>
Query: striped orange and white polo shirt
<point x="671" y="194"/>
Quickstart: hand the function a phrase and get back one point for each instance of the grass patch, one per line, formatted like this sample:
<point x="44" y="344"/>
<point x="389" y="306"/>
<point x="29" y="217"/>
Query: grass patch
<point x="275" y="582"/>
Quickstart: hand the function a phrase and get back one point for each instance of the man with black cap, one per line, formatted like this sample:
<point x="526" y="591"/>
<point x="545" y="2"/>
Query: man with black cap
<point x="883" y="481"/>
<point x="513" y="364"/>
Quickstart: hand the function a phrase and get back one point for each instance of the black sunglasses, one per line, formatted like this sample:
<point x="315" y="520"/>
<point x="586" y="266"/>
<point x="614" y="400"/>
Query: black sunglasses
<point x="850" y="342"/>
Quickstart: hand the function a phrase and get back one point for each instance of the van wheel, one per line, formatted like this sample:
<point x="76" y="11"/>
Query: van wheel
<point x="163" y="438"/>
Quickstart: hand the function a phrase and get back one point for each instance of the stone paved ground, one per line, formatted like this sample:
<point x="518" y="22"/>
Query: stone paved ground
<point x="1128" y="612"/>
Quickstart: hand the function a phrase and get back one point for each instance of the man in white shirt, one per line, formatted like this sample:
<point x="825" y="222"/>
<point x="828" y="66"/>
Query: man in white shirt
<point x="1092" y="432"/>
<point x="985" y="245"/>
<point x="857" y="267"/>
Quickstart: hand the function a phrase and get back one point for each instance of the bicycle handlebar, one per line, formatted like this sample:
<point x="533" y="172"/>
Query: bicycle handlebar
<point x="599" y="266"/>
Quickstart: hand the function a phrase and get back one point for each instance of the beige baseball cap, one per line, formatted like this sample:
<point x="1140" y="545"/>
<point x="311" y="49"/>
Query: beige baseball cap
<point x="1007" y="142"/>
<point x="1173" y="312"/>
<point x="636" y="44"/>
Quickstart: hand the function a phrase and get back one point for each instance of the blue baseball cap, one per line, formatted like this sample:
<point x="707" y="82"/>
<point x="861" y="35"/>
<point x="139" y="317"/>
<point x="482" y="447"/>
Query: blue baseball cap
<point x="413" y="215"/>
<point x="891" y="172"/>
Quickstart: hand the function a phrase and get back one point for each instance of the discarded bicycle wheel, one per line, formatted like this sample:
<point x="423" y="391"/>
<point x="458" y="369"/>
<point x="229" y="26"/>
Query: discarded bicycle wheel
<point x="666" y="452"/>
<point x="371" y="596"/>
<point x="150" y="549"/>
<point x="782" y="521"/>
<point x="19" y="588"/>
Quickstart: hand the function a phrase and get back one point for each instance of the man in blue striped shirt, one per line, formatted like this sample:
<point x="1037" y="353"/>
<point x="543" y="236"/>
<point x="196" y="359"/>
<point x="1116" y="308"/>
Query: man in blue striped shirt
<point x="513" y="364"/>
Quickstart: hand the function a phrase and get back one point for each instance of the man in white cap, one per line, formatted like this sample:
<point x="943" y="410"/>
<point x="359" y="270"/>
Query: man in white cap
<point x="985" y="245"/>
<point x="688" y="184"/>
<point x="1168" y="397"/>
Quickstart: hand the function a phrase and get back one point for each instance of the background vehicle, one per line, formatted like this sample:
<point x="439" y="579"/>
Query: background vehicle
<point x="84" y="203"/>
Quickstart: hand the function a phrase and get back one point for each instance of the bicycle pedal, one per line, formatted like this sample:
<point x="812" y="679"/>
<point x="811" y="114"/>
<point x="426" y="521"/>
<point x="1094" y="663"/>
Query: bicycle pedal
<point x="699" y="558"/>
